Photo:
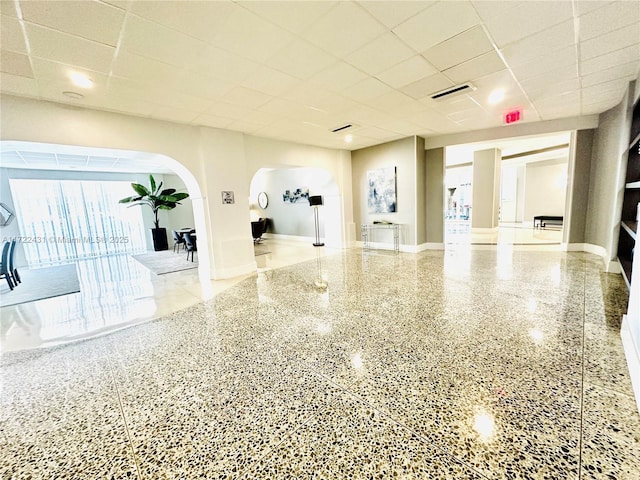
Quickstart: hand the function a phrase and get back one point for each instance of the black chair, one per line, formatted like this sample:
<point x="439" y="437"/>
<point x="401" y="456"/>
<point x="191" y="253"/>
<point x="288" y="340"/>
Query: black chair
<point x="190" y="245"/>
<point x="4" y="266"/>
<point x="177" y="241"/>
<point x="15" y="276"/>
<point x="257" y="229"/>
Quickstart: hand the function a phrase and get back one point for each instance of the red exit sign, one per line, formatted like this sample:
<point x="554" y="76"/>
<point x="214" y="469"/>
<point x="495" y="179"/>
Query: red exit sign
<point x="512" y="116"/>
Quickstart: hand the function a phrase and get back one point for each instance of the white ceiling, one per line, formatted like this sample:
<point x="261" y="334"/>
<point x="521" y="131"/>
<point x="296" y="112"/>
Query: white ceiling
<point x="296" y="70"/>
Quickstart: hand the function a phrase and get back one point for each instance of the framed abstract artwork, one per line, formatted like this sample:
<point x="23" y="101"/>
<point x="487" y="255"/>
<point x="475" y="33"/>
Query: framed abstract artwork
<point x="381" y="197"/>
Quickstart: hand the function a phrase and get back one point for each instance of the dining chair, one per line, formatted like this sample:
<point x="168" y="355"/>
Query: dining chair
<point x="4" y="266"/>
<point x="13" y="271"/>
<point x="177" y="240"/>
<point x="190" y="244"/>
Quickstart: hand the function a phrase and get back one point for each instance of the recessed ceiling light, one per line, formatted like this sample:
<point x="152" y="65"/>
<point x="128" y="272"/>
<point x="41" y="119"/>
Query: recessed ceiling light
<point x="348" y="138"/>
<point x="496" y="96"/>
<point x="74" y="95"/>
<point x="81" y="80"/>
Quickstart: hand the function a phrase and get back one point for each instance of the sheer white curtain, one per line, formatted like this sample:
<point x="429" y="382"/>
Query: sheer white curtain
<point x="63" y="220"/>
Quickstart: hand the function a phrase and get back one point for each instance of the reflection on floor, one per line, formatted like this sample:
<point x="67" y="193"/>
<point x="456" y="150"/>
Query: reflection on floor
<point x="487" y="363"/>
<point x="460" y="232"/>
<point x="116" y="292"/>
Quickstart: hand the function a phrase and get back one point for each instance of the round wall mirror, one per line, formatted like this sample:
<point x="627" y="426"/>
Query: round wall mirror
<point x="263" y="200"/>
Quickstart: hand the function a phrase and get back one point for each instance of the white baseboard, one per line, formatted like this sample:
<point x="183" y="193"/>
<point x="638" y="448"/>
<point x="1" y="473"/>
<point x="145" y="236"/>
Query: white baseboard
<point x="610" y="266"/>
<point x="633" y="358"/>
<point x="422" y="247"/>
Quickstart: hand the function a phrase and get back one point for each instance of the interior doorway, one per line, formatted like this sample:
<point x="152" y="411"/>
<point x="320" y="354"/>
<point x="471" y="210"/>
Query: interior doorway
<point x="532" y="183"/>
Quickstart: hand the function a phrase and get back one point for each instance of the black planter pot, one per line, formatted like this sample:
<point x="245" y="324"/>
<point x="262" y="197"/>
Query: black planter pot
<point x="159" y="239"/>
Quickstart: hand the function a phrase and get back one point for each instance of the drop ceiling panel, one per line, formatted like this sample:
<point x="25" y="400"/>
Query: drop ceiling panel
<point x="338" y="77"/>
<point x="376" y="134"/>
<point x="542" y="87"/>
<point x="251" y="37"/>
<point x="406" y="72"/>
<point x="610" y="42"/>
<point x="196" y="19"/>
<point x="380" y="54"/>
<point x="228" y="110"/>
<point x="52" y="72"/>
<point x="270" y="81"/>
<point x="301" y="59"/>
<point x="583" y="8"/>
<point x="366" y="90"/>
<point x="394" y="13"/>
<point x="281" y="13"/>
<point x="61" y="47"/>
<point x="455" y="104"/>
<point x="246" y="97"/>
<point x="603" y="92"/>
<point x="259" y="117"/>
<point x="120" y="98"/>
<point x="224" y="65"/>
<point x="437" y="23"/>
<point x="245" y="126"/>
<point x="334" y="32"/>
<point x="522" y="19"/>
<point x="15" y="64"/>
<point x="611" y="17"/>
<point x="604" y="62"/>
<point x="528" y="49"/>
<point x="475" y="68"/>
<point x="8" y="7"/>
<point x="427" y="86"/>
<point x="459" y="49"/>
<point x="561" y="59"/>
<point x="625" y="71"/>
<point x="16" y="85"/>
<point x="89" y="19"/>
<point x="155" y="41"/>
<point x="11" y="37"/>
<point x="141" y="69"/>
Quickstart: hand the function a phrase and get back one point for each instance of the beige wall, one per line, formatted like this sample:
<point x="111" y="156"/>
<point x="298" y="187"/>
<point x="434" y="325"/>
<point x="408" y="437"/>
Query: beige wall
<point x="578" y="174"/>
<point x="402" y="155"/>
<point x="544" y="194"/>
<point x="608" y="162"/>
<point x="434" y="172"/>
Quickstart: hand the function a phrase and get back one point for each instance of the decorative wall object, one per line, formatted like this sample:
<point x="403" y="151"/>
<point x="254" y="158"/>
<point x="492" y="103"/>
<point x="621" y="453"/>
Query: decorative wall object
<point x="295" y="196"/>
<point x="382" y="190"/>
<point x="227" y="198"/>
<point x="263" y="200"/>
<point x="6" y="215"/>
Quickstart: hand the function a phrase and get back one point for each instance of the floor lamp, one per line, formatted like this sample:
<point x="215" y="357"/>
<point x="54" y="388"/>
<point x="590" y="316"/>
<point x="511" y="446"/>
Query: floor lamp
<point x="315" y="201"/>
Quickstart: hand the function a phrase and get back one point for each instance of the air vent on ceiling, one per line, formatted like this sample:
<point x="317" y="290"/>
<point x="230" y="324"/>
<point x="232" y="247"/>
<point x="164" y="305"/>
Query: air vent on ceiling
<point x="453" y="91"/>
<point x="342" y="128"/>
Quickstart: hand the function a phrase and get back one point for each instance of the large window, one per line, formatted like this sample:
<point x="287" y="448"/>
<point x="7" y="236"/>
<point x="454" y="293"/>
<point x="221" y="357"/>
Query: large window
<point x="62" y="220"/>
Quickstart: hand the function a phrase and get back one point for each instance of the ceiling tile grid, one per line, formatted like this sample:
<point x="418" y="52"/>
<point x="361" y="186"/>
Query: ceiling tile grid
<point x="293" y="72"/>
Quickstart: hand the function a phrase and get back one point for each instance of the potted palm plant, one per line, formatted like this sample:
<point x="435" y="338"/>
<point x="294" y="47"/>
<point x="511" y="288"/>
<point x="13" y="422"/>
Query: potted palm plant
<point x="157" y="199"/>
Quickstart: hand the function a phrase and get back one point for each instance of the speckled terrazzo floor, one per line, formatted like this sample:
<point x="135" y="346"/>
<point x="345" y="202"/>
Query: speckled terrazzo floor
<point x="465" y="364"/>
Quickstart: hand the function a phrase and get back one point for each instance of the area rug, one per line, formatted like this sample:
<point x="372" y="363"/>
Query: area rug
<point x="166" y="261"/>
<point x="40" y="283"/>
<point x="260" y="249"/>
